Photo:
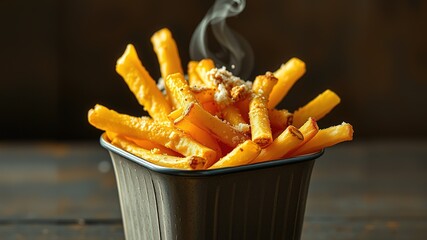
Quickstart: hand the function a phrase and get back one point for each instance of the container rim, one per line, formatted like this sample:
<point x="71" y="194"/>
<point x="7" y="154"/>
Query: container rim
<point x="200" y="173"/>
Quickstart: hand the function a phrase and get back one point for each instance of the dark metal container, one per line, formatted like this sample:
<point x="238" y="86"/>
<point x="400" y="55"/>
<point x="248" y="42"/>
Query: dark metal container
<point x="258" y="201"/>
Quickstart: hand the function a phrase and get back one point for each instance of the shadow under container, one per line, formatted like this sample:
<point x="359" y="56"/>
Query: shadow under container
<point x="259" y="201"/>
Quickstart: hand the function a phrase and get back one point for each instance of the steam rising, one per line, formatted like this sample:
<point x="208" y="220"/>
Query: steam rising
<point x="234" y="52"/>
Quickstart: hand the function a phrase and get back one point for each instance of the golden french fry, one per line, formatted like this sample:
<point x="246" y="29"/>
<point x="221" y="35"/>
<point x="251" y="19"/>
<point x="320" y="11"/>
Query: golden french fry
<point x="258" y="111"/>
<point x="213" y="125"/>
<point x="146" y="144"/>
<point x="280" y="119"/>
<point x="260" y="124"/>
<point x="285" y="142"/>
<point x="308" y="130"/>
<point x="316" y="108"/>
<point x="204" y="95"/>
<point x="287" y="74"/>
<point x="194" y="131"/>
<point x="264" y="84"/>
<point x="145" y="128"/>
<point x="232" y="115"/>
<point x="242" y="154"/>
<point x="243" y="107"/>
<point x="179" y="91"/>
<point x="167" y="52"/>
<point x="142" y="85"/>
<point x="193" y="77"/>
<point x="204" y="66"/>
<point x="326" y="138"/>
<point x="190" y="163"/>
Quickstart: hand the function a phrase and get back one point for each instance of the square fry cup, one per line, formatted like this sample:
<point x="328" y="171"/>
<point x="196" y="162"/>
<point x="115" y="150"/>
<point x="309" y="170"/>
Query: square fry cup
<point x="256" y="201"/>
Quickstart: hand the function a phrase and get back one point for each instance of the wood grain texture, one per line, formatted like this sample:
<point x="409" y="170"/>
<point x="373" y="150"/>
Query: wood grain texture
<point x="360" y="190"/>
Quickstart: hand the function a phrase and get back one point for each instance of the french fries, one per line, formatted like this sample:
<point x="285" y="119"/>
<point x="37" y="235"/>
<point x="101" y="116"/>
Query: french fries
<point x="219" y="129"/>
<point x="142" y="85"/>
<point x="145" y="128"/>
<point x="258" y="112"/>
<point x="190" y="163"/>
<point x="285" y="142"/>
<point x="326" y="138"/>
<point x="244" y="153"/>
<point x="167" y="52"/>
<point x="214" y="119"/>
<point x="316" y="108"/>
<point x="287" y="74"/>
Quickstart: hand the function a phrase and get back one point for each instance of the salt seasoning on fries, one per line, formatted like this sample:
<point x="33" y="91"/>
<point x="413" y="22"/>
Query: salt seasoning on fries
<point x="145" y="128"/>
<point x="258" y="112"/>
<point x="214" y="119"/>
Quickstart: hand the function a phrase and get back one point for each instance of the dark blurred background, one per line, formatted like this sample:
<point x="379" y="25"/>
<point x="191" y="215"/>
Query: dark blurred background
<point x="58" y="59"/>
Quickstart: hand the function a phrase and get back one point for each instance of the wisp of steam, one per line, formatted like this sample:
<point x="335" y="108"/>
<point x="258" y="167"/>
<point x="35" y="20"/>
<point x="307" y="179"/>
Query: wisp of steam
<point x="234" y="52"/>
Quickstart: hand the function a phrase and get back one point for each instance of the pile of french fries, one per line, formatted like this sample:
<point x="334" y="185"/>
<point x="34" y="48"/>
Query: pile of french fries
<point x="211" y="119"/>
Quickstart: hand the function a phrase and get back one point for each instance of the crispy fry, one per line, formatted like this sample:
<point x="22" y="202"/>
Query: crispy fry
<point x="193" y="77"/>
<point x="213" y="125"/>
<point x="167" y="52"/>
<point x="195" y="132"/>
<point x="204" y="66"/>
<point x="240" y="155"/>
<point x="146" y="144"/>
<point x="145" y="128"/>
<point x="202" y="122"/>
<point x="142" y="85"/>
<point x="264" y="84"/>
<point x="316" y="108"/>
<point x="260" y="124"/>
<point x="258" y="112"/>
<point x="280" y="119"/>
<point x="326" y="138"/>
<point x="287" y="74"/>
<point x="286" y="141"/>
<point x="179" y="91"/>
<point x="190" y="163"/>
<point x="232" y="115"/>
<point x="243" y="106"/>
<point x="203" y="95"/>
<point x="308" y="130"/>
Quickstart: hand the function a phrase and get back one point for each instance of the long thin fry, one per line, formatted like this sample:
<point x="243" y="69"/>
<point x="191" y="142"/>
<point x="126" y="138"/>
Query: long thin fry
<point x="167" y="52"/>
<point x="258" y="111"/>
<point x="326" y="138"/>
<point x="280" y="119"/>
<point x="285" y="142"/>
<point x="190" y="163"/>
<point x="287" y="74"/>
<point x="179" y="91"/>
<point x="308" y="130"/>
<point x="316" y="108"/>
<point x="232" y="115"/>
<point x="194" y="79"/>
<point x="195" y="132"/>
<point x="244" y="153"/>
<point x="146" y="144"/>
<point x="204" y="66"/>
<point x="219" y="129"/>
<point x="145" y="128"/>
<point x="142" y="85"/>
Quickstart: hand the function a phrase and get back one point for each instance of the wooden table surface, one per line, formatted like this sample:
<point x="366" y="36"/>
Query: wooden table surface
<point x="361" y="190"/>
